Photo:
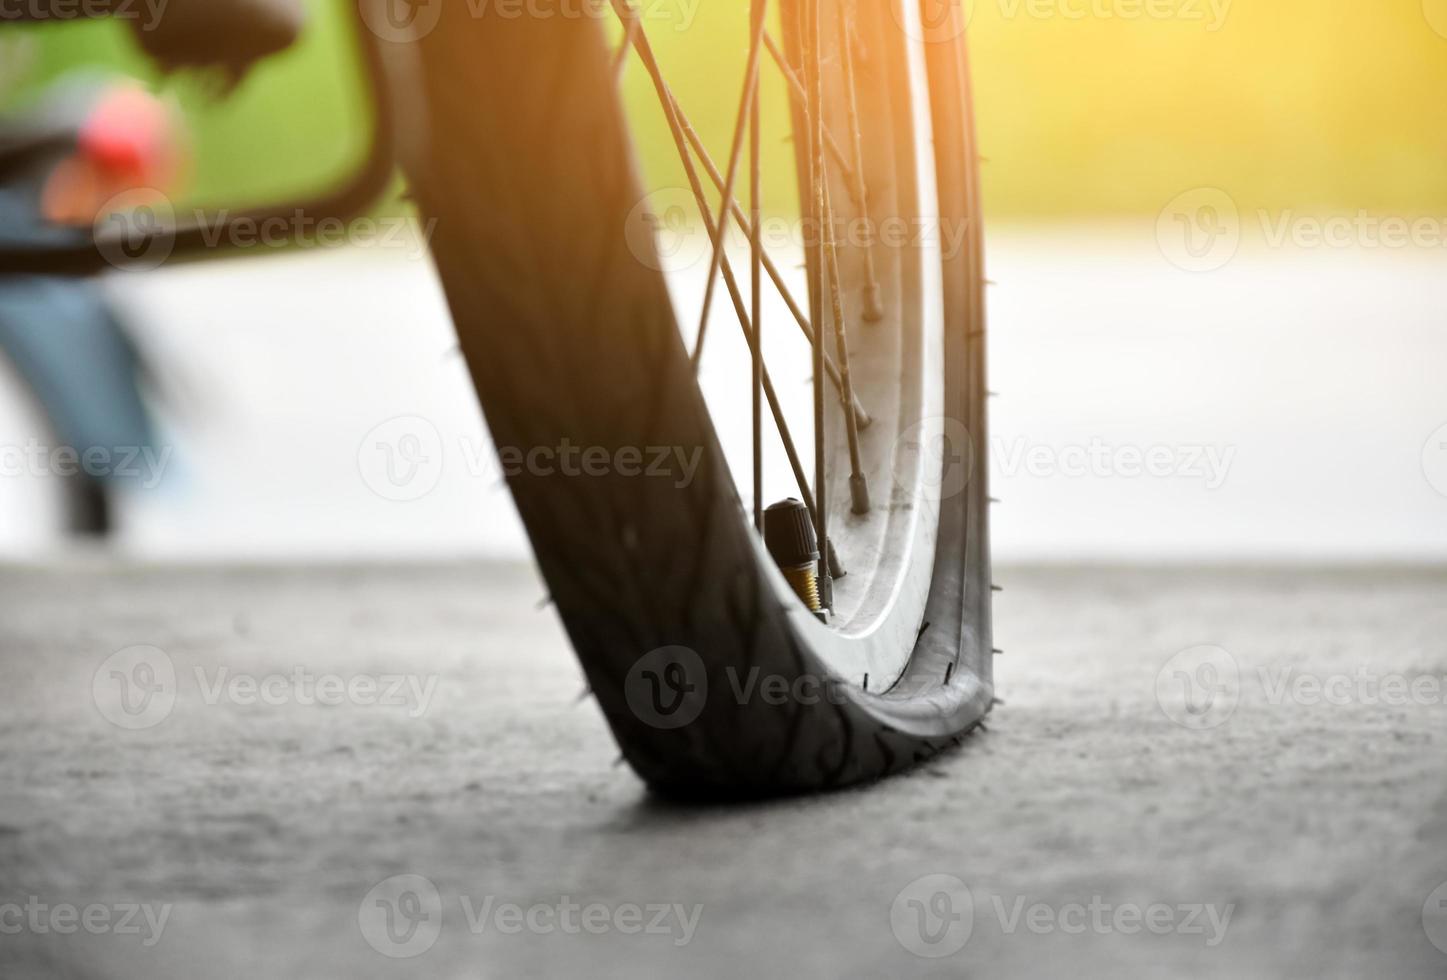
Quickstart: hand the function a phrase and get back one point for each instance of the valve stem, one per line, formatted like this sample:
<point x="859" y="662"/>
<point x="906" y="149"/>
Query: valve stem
<point x="789" y="536"/>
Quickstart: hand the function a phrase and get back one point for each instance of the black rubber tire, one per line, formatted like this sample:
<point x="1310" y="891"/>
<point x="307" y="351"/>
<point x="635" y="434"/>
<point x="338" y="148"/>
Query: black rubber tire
<point x="526" y="166"/>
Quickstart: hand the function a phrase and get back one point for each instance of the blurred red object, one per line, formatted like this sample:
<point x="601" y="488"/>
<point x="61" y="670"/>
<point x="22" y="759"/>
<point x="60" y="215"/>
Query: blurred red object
<point x="129" y="140"/>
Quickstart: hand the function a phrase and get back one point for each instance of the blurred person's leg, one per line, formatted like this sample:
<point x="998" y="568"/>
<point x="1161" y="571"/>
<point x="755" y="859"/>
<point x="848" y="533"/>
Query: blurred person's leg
<point x="83" y="370"/>
<point x="62" y="164"/>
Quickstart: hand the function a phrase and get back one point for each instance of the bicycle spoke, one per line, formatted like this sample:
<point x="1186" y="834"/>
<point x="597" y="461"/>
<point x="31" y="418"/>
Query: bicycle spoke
<point x="814" y="73"/>
<point x="873" y="308"/>
<point x="860" y="413"/>
<point x="858" y="486"/>
<point x="798" y="95"/>
<point x="751" y="84"/>
<point x="824" y="264"/>
<point x="671" y="112"/>
<point x="756" y="366"/>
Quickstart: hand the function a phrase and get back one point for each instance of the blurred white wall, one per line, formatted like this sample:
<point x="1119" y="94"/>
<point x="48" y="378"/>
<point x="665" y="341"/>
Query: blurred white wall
<point x="1286" y="403"/>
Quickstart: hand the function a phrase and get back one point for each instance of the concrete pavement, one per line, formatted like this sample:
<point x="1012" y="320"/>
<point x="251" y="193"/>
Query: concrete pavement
<point x="1290" y="821"/>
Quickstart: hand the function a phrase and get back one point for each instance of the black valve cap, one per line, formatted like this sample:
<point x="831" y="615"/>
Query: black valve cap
<point x="789" y="534"/>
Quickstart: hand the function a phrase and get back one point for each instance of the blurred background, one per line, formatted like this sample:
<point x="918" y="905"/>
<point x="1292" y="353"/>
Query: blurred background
<point x="1216" y="233"/>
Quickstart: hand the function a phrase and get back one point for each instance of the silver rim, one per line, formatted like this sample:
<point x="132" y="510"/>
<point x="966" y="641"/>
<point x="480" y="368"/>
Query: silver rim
<point x="894" y="362"/>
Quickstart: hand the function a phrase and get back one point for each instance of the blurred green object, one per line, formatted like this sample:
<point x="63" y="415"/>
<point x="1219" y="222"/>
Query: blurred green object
<point x="298" y="123"/>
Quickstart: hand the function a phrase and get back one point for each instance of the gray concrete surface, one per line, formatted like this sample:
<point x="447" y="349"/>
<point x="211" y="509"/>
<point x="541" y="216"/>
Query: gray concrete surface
<point x="261" y="831"/>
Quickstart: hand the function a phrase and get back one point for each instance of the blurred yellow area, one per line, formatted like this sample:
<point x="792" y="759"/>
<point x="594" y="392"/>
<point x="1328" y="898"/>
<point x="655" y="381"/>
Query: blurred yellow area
<point x="1099" y="108"/>
<point x="1327" y="105"/>
<point x="1086" y="108"/>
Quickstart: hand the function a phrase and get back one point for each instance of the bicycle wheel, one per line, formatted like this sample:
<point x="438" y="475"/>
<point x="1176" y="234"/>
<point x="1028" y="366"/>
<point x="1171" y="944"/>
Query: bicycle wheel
<point x="712" y="672"/>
